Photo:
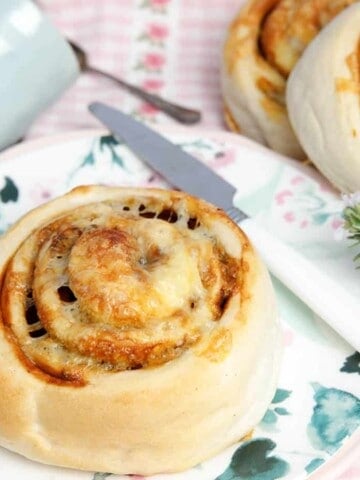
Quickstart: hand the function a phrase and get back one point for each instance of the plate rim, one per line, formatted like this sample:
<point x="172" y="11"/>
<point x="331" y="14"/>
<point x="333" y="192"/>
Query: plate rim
<point x="31" y="144"/>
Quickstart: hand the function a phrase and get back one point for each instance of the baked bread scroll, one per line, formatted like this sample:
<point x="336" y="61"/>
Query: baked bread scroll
<point x="264" y="43"/>
<point x="323" y="97"/>
<point x="138" y="332"/>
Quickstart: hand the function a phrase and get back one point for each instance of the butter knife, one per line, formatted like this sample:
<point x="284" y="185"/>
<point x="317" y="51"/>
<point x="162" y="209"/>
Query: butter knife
<point x="320" y="292"/>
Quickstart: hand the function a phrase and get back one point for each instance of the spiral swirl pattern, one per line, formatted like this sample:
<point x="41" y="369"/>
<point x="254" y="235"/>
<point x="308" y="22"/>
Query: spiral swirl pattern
<point x="117" y="285"/>
<point x="133" y="322"/>
<point x="264" y="44"/>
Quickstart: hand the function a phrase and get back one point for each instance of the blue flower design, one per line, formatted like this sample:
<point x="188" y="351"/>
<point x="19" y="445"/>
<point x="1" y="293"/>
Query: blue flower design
<point x="101" y="476"/>
<point x="352" y="364"/>
<point x="274" y="411"/>
<point x="314" y="464"/>
<point x="9" y="192"/>
<point x="251" y="461"/>
<point x="336" y="415"/>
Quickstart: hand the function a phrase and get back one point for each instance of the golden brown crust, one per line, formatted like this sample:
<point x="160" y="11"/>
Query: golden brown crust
<point x="291" y="26"/>
<point x="264" y="43"/>
<point x="97" y="286"/>
<point x="324" y="84"/>
<point x="230" y="121"/>
<point x="132" y="304"/>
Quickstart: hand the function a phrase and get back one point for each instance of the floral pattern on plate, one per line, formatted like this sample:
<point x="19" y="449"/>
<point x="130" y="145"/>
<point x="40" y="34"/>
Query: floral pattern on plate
<point x="318" y="392"/>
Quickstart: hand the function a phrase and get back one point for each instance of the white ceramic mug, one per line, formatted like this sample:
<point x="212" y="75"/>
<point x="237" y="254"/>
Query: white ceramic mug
<point x="36" y="66"/>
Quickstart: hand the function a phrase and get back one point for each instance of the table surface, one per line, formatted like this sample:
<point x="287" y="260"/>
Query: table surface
<point x="170" y="47"/>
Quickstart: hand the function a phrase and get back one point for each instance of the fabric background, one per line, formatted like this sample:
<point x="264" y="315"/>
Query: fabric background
<point x="170" y="47"/>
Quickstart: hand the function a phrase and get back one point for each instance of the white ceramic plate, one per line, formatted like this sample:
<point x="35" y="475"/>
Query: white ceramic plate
<point x="316" y="409"/>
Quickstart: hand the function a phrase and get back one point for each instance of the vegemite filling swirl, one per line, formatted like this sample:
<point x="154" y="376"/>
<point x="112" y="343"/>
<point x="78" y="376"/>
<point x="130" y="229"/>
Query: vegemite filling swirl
<point x="291" y="25"/>
<point x="263" y="45"/>
<point x="116" y="285"/>
<point x="124" y="312"/>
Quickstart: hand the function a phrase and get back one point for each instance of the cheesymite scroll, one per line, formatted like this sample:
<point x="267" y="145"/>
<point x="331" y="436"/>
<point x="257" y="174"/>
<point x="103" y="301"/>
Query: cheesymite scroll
<point x="133" y="323"/>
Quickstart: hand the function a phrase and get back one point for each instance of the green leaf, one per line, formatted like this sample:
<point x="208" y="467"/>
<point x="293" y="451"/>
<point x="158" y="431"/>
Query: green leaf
<point x="10" y="192"/>
<point x="88" y="160"/>
<point x="200" y="144"/>
<point x="115" y="158"/>
<point x="269" y="418"/>
<point x="107" y="141"/>
<point x="251" y="461"/>
<point x="281" y="395"/>
<point x="320" y="218"/>
<point x="281" y="411"/>
<point x="352" y="364"/>
<point x="351" y="215"/>
<point x="314" y="464"/>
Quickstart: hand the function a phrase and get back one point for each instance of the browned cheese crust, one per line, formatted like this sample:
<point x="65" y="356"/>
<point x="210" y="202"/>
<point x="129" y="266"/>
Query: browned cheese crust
<point x="263" y="45"/>
<point x="111" y="299"/>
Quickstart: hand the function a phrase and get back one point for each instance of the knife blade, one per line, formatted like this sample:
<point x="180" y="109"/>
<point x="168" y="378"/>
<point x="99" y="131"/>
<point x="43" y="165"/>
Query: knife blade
<point x="320" y="292"/>
<point x="178" y="167"/>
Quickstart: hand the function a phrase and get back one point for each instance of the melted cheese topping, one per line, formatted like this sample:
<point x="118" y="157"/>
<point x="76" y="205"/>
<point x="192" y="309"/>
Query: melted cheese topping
<point x="291" y="26"/>
<point x="112" y="288"/>
<point x="275" y="33"/>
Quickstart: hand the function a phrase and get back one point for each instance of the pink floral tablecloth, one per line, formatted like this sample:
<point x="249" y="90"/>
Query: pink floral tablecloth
<point x="170" y="47"/>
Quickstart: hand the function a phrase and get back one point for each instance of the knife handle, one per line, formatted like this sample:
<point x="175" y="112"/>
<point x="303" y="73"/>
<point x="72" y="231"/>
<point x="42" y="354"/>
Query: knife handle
<point x="316" y="289"/>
